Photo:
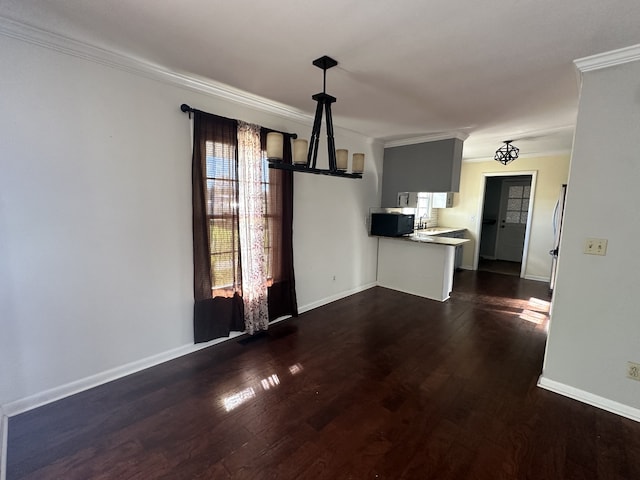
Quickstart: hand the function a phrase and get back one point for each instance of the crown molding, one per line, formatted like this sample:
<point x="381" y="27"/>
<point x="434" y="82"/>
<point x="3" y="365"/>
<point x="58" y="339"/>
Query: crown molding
<point x="426" y="138"/>
<point x="608" y="59"/>
<point x="68" y="46"/>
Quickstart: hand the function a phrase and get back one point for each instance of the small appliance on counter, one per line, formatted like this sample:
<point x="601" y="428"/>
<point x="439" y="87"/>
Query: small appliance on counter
<point x="392" y="224"/>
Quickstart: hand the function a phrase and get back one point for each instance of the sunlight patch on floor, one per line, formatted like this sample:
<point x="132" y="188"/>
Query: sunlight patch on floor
<point x="533" y="317"/>
<point x="270" y="382"/>
<point x="233" y="401"/>
<point x="533" y="310"/>
<point x="539" y="305"/>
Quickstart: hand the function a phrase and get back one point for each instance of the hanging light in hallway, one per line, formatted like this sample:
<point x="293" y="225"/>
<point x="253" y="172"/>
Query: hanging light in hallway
<point x="507" y="153"/>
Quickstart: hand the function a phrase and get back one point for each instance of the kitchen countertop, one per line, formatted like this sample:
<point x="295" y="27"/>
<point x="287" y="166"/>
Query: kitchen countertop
<point x="422" y="238"/>
<point x="432" y="235"/>
<point x="438" y="230"/>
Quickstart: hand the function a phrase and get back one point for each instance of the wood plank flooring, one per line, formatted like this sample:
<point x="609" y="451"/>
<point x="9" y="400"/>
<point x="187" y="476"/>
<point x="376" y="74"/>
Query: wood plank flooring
<point x="500" y="266"/>
<point x="379" y="385"/>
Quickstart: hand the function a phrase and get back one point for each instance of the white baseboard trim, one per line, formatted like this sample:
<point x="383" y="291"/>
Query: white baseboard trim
<point x="63" y="391"/>
<point x="337" y="296"/>
<point x="4" y="432"/>
<point x="413" y="293"/>
<point x="538" y="278"/>
<point x="589" y="398"/>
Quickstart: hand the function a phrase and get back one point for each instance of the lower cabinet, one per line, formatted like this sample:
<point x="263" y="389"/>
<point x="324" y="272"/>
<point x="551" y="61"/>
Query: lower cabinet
<point x="424" y="269"/>
<point x="458" y="257"/>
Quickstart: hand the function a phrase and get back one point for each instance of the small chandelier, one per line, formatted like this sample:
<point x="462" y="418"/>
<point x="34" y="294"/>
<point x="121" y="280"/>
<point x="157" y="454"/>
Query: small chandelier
<point x="507" y="153"/>
<point x="305" y="153"/>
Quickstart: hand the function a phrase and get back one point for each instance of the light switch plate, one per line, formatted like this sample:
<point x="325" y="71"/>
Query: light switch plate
<point x="595" y="246"/>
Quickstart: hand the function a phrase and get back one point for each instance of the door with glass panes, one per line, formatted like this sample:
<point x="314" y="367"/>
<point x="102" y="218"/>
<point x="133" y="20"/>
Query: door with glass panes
<point x="514" y="212"/>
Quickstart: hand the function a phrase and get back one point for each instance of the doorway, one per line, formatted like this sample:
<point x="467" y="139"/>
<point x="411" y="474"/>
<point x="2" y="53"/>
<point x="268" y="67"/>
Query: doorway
<point x="504" y="222"/>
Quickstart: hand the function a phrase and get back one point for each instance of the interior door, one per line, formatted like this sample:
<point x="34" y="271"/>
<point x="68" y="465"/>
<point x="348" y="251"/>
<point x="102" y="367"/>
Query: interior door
<point x="514" y="211"/>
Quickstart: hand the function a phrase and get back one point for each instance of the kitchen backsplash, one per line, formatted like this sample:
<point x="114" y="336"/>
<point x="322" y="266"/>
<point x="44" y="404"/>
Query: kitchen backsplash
<point x="433" y="219"/>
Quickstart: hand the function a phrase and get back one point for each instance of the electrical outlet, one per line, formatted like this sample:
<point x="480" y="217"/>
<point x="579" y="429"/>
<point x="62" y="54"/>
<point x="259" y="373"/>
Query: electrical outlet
<point x="595" y="246"/>
<point x="633" y="370"/>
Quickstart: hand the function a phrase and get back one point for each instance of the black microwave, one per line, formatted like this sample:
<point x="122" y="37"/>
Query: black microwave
<point x="391" y="224"/>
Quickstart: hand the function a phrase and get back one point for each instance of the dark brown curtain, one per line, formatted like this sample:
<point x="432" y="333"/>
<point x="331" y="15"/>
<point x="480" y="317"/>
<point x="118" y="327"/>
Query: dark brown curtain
<point x="218" y="307"/>
<point x="279" y="211"/>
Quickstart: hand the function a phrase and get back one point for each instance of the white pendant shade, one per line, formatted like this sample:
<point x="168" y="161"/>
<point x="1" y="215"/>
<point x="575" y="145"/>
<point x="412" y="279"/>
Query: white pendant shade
<point x="357" y="166"/>
<point x="300" y="149"/>
<point x="275" y="142"/>
<point x="342" y="159"/>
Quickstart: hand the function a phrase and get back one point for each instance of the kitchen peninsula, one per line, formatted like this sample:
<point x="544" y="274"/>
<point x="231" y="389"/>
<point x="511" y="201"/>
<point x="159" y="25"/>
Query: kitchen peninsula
<point x="421" y="264"/>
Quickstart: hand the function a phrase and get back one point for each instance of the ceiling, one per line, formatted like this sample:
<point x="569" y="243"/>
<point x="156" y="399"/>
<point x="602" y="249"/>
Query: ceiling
<point x="493" y="70"/>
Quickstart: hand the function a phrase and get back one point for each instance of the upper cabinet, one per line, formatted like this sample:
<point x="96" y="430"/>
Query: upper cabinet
<point x="442" y="200"/>
<point x="421" y="167"/>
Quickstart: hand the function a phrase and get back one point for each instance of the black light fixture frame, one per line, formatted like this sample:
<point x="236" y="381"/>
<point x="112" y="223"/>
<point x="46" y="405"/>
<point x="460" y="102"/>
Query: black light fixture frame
<point x="324" y="105"/>
<point x="506" y="153"/>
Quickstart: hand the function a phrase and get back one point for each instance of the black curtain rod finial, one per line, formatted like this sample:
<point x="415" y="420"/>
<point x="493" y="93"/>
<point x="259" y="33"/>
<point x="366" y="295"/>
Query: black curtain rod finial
<point x="186" y="109"/>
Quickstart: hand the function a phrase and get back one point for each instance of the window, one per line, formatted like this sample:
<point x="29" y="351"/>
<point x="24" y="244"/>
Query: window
<point x="518" y="204"/>
<point x="222" y="214"/>
<point x="423" y="210"/>
<point x="222" y="179"/>
<point x="271" y="219"/>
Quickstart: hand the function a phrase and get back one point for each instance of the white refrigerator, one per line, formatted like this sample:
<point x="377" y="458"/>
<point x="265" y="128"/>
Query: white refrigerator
<point x="558" y="215"/>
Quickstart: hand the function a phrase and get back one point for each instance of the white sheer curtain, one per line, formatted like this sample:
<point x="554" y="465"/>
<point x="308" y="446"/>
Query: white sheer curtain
<point x="252" y="230"/>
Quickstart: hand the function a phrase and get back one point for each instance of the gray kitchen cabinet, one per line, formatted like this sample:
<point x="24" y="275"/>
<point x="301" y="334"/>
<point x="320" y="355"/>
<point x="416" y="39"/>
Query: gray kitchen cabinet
<point x="458" y="261"/>
<point x="457" y="234"/>
<point x="421" y="167"/>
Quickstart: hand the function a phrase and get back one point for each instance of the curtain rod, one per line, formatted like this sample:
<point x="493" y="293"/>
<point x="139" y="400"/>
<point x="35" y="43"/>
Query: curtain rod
<point x="187" y="109"/>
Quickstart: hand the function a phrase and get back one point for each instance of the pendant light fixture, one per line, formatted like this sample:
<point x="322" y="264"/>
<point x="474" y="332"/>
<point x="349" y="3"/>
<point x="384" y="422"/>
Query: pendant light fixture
<point x="338" y="159"/>
<point x="506" y="153"/>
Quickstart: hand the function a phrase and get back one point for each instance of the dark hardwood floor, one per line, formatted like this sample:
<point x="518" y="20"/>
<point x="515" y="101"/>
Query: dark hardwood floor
<point x="379" y="385"/>
<point x="499" y="266"/>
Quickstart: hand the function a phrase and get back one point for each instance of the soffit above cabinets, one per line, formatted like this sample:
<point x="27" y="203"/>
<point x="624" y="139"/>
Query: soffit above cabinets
<point x="423" y="167"/>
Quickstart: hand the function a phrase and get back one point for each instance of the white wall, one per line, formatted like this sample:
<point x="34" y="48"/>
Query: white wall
<point x="95" y="218"/>
<point x="552" y="172"/>
<point x="595" y="326"/>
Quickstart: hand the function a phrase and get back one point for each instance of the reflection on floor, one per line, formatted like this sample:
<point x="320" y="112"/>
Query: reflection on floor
<point x="500" y="266"/>
<point x="379" y="384"/>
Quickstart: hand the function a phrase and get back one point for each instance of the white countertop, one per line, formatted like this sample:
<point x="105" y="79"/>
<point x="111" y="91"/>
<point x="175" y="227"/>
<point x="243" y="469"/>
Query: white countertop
<point x="438" y="230"/>
<point x="431" y="235"/>
<point x="422" y="238"/>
